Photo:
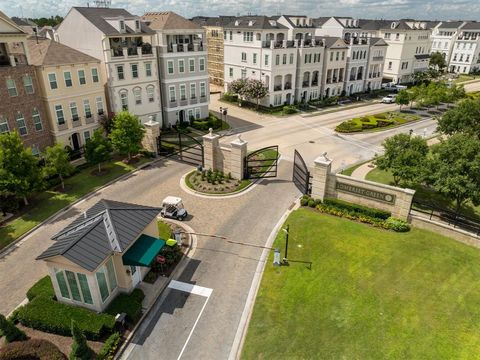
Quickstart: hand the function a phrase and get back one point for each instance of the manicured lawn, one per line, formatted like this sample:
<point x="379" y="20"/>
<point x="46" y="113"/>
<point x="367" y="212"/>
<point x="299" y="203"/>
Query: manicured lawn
<point x="349" y="171"/>
<point x="370" y="294"/>
<point x="50" y="201"/>
<point x="375" y="122"/>
<point x="465" y="77"/>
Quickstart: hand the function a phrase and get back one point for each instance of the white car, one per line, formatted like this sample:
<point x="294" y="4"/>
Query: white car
<point x="389" y="99"/>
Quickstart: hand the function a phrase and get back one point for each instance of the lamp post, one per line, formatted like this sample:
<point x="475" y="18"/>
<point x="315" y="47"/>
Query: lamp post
<point x="223" y="112"/>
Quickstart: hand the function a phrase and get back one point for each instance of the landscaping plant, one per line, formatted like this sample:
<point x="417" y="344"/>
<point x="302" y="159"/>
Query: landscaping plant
<point x="57" y="163"/>
<point x="10" y="331"/>
<point x="98" y="149"/>
<point x="80" y="349"/>
<point x="127" y="134"/>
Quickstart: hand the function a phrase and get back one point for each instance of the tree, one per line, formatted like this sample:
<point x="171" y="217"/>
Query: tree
<point x="404" y="157"/>
<point x="454" y="93"/>
<point x="237" y="86"/>
<point x="437" y="61"/>
<point x="127" y="133"/>
<point x="255" y="89"/>
<point x="80" y="349"/>
<point x="403" y="98"/>
<point x="57" y="163"/>
<point x="465" y="117"/>
<point x="19" y="170"/>
<point x="10" y="331"/>
<point x="454" y="169"/>
<point x="98" y="149"/>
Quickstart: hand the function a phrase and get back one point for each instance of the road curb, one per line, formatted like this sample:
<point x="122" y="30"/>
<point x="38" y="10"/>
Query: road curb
<point x="7" y="249"/>
<point x="239" y="339"/>
<point x="178" y="271"/>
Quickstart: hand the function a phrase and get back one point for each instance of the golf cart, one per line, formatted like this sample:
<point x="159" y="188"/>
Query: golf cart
<point x="172" y="207"/>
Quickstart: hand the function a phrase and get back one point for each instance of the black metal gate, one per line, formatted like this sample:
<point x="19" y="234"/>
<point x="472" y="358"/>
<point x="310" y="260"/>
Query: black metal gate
<point x="301" y="175"/>
<point x="181" y="146"/>
<point x="262" y="163"/>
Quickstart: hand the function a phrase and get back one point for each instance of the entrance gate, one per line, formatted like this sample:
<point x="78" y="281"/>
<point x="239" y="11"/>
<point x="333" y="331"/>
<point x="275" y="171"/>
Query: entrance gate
<point x="301" y="175"/>
<point x="262" y="163"/>
<point x="182" y="146"/>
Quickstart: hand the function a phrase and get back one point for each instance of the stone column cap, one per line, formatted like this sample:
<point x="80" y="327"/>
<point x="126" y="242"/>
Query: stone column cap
<point x="323" y="160"/>
<point x="152" y="123"/>
<point x="211" y="135"/>
<point x="239" y="141"/>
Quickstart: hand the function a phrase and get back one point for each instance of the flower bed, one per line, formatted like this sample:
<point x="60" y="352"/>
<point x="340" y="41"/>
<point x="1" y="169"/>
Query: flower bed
<point x="214" y="182"/>
<point x="382" y="120"/>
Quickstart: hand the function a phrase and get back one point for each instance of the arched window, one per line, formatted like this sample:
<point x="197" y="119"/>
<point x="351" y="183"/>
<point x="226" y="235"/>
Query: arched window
<point x="124" y="99"/>
<point x="137" y="95"/>
<point x="151" y="93"/>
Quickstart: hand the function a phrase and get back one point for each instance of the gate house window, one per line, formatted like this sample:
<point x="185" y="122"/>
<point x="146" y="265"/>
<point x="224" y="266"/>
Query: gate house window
<point x="11" y="87"/>
<point x="73" y="286"/>
<point x="28" y="84"/>
<point x="37" y="120"/>
<point x="107" y="282"/>
<point x="3" y="125"/>
<point x="22" y="127"/>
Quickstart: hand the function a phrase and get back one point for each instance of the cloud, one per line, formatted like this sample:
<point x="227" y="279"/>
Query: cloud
<point x="391" y="9"/>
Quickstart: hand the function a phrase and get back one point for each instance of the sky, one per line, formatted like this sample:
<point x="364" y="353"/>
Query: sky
<point x="372" y="9"/>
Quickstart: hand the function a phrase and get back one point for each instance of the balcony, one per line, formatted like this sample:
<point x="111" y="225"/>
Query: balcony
<point x="314" y="82"/>
<point x="378" y="58"/>
<point x="306" y="84"/>
<point x="193" y="100"/>
<point x="76" y="122"/>
<point x="63" y="126"/>
<point x="288" y="86"/>
<point x="183" y="102"/>
<point x="329" y="81"/>
<point x="89" y="119"/>
<point x="180" y="48"/>
<point x="203" y="98"/>
<point x="277" y="88"/>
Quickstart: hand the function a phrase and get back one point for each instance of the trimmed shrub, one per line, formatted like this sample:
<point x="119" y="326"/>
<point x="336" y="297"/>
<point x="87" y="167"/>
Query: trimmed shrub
<point x="381" y="116"/>
<point x="304" y="202"/>
<point x="230" y="97"/>
<point x="80" y="349"/>
<point x="348" y="126"/>
<point x="31" y="349"/>
<point x="42" y="287"/>
<point x="55" y="317"/>
<point x="109" y="348"/>
<point x="200" y="125"/>
<point x="311" y="203"/>
<point x="289" y="109"/>
<point x="396" y="225"/>
<point x="131" y="304"/>
<point x="10" y="331"/>
<point x="349" y="207"/>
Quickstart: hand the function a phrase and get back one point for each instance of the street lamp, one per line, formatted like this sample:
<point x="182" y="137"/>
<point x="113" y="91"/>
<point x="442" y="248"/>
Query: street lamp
<point x="223" y="112"/>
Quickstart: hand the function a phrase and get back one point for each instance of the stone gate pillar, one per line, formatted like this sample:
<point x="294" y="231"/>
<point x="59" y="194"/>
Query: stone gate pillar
<point x="237" y="157"/>
<point x="210" y="146"/>
<point x="152" y="132"/>
<point x="321" y="171"/>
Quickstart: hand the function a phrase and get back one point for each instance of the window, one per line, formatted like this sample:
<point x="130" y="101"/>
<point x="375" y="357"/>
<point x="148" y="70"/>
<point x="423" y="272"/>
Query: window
<point x="74" y="111"/>
<point x="120" y="73"/>
<point x="95" y="75"/>
<point x="193" y="91"/>
<point x="122" y="25"/>
<point x="81" y="77"/>
<point x="191" y="65"/>
<point x="11" y="87"/>
<point x="22" y="127"/>
<point x="183" y="92"/>
<point x="291" y="59"/>
<point x="37" y="121"/>
<point x="86" y="136"/>
<point x="171" y="91"/>
<point x="151" y="93"/>
<point x="336" y="56"/>
<point x="284" y="62"/>
<point x="389" y="65"/>
<point x="148" y="69"/>
<point x="201" y="65"/>
<point x="99" y="103"/>
<point x="59" y="114"/>
<point x="197" y="113"/>
<point x="134" y="68"/>
<point x="254" y="59"/>
<point x="112" y="279"/>
<point x="137" y="95"/>
<point x="124" y="100"/>
<point x="72" y="283"/>
<point x="67" y="75"/>
<point x="331" y="56"/>
<point x="190" y="115"/>
<point x="230" y="72"/>
<point x="52" y="79"/>
<point x="343" y="55"/>
<point x="277" y="59"/>
<point x="231" y="35"/>
<point x="87" y="109"/>
<point x="62" y="283"/>
<point x="244" y="74"/>
<point x="102" y="284"/>
<point x="181" y="66"/>
<point x="3" y="125"/>
<point x="224" y="35"/>
<point x="82" y="280"/>
<point x="266" y="60"/>
<point x="203" y="89"/>
<point x="248" y="36"/>
<point x="28" y="84"/>
<point x="244" y="57"/>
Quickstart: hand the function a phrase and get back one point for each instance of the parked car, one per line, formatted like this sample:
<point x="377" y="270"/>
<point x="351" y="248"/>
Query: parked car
<point x="393" y="87"/>
<point x="172" y="207"/>
<point x="389" y="99"/>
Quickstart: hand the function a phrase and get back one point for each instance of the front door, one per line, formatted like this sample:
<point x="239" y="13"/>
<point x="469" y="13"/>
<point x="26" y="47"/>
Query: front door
<point x="136" y="275"/>
<point x="75" y="141"/>
<point x="181" y="116"/>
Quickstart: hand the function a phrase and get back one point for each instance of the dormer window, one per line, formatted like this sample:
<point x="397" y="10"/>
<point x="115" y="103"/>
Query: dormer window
<point x="137" y="25"/>
<point x="251" y="22"/>
<point x="273" y="23"/>
<point x="122" y="25"/>
<point x="236" y="23"/>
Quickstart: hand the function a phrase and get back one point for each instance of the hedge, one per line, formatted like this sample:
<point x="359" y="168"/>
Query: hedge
<point x="55" y="317"/>
<point x="347" y="206"/>
<point x="131" y="304"/>
<point x="109" y="348"/>
<point x="42" y="287"/>
<point x="31" y="349"/>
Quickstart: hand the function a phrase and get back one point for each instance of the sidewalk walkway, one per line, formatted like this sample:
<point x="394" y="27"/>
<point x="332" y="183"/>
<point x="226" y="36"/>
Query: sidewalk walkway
<point x="362" y="171"/>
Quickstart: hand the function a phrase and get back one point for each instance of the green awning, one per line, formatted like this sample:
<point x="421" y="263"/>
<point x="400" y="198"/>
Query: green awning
<point x="143" y="251"/>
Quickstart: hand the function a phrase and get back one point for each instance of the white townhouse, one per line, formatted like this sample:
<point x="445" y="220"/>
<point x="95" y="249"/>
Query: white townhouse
<point x="466" y="50"/>
<point x="282" y="52"/>
<point x="444" y="36"/>
<point x="125" y="46"/>
<point x="409" y="46"/>
<point x="182" y="66"/>
<point x="334" y="66"/>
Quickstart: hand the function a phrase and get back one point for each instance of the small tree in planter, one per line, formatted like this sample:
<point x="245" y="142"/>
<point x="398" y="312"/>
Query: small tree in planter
<point x="80" y="349"/>
<point x="98" y="149"/>
<point x="10" y="331"/>
<point x="255" y="89"/>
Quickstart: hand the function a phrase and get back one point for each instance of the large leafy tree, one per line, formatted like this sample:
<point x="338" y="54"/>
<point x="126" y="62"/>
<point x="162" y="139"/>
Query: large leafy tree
<point x="237" y="86"/>
<point x="465" y="117"/>
<point x="98" y="149"/>
<point x="255" y="90"/>
<point x="404" y="157"/>
<point x="454" y="93"/>
<point x="19" y="171"/>
<point x="127" y="133"/>
<point x="454" y="169"/>
<point x="437" y="61"/>
<point x="57" y="163"/>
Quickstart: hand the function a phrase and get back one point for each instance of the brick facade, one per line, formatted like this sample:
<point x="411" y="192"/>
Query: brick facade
<point x="25" y="104"/>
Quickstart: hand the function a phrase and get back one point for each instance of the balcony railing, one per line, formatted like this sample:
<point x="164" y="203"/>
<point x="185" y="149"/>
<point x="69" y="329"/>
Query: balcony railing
<point x="89" y="119"/>
<point x="377" y="58"/>
<point x="287" y="86"/>
<point x="306" y="84"/>
<point x="277" y="88"/>
<point x="314" y="82"/>
<point x="329" y="81"/>
<point x="76" y="122"/>
<point x="185" y="47"/>
<point x="63" y="126"/>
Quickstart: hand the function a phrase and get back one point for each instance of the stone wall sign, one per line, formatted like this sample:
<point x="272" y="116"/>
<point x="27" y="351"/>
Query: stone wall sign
<point x="367" y="193"/>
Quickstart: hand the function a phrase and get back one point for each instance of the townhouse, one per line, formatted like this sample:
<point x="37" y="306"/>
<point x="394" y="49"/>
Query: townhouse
<point x="466" y="50"/>
<point x="72" y="90"/>
<point x="21" y="108"/>
<point x="335" y="66"/>
<point x="444" y="36"/>
<point x="124" y="44"/>
<point x="182" y="66"/>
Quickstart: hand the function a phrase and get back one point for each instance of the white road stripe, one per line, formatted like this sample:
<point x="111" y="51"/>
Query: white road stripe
<point x="190" y="288"/>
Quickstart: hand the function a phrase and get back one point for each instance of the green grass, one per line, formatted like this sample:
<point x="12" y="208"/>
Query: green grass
<point x="370" y="294"/>
<point x="50" y="201"/>
<point x="349" y="171"/>
<point x="465" y="77"/>
<point x="131" y="304"/>
<point x="164" y="230"/>
<point x="243" y="184"/>
<point x="42" y="287"/>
